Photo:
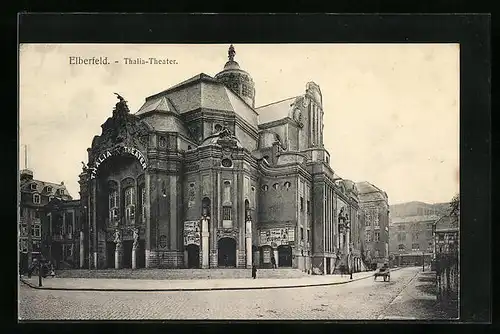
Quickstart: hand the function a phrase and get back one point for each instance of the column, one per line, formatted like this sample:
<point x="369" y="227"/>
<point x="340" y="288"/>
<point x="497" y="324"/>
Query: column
<point x="204" y="243"/>
<point x="82" y="253"/>
<point x="134" y="258"/>
<point x="94" y="218"/>
<point x="118" y="251"/>
<point x="249" y="243"/>
<point x="275" y="251"/>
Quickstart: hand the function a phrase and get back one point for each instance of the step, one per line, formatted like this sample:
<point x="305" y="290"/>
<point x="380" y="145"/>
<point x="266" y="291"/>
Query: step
<point x="180" y="274"/>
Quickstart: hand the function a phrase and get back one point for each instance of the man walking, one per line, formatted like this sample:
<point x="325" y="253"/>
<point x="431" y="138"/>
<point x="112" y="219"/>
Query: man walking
<point x="254" y="271"/>
<point x="273" y="262"/>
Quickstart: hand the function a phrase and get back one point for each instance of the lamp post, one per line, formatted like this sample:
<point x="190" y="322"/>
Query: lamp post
<point x="423" y="261"/>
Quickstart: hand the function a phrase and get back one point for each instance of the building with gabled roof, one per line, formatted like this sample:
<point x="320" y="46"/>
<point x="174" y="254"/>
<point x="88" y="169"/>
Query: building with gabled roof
<point x="34" y="195"/>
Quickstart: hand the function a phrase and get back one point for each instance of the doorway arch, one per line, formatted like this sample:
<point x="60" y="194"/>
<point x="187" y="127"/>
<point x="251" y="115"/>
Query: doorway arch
<point x="227" y="252"/>
<point x="285" y="256"/>
<point x="193" y="256"/>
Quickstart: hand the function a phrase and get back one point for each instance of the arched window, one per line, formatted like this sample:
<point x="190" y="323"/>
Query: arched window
<point x="130" y="205"/>
<point x="287" y="185"/>
<point x="265" y="187"/>
<point x="276" y="186"/>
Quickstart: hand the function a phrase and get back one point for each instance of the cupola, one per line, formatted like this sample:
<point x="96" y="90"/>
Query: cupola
<point x="236" y="79"/>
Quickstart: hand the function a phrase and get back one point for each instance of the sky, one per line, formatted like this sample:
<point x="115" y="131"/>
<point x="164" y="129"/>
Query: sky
<point x="391" y="111"/>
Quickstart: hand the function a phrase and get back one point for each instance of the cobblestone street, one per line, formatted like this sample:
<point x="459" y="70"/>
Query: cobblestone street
<point x="363" y="299"/>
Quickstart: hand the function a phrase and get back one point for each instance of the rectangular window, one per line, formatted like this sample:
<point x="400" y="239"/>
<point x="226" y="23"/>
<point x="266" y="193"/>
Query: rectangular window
<point x="415" y="236"/>
<point x="308" y="207"/>
<point x="301" y="204"/>
<point x="36" y="199"/>
<point x="308" y="235"/>
<point x="368" y="236"/>
<point x="21" y="213"/>
<point x="377" y="236"/>
<point x="226" y="213"/>
<point x="302" y="234"/>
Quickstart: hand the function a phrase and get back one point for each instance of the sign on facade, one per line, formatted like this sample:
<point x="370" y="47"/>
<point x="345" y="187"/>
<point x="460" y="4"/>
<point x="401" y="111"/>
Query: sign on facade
<point x="118" y="151"/>
<point x="277" y="236"/>
<point x="191" y="233"/>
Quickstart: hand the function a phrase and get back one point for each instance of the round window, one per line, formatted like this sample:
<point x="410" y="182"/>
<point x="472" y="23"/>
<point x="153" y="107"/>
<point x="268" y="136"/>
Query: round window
<point x="227" y="163"/>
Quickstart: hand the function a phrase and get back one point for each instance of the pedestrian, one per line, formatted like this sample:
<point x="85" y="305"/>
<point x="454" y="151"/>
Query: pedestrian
<point x="254" y="271"/>
<point x="273" y="262"/>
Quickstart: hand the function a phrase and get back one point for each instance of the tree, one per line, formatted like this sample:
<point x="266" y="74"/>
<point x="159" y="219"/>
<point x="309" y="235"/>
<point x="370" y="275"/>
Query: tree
<point x="455" y="209"/>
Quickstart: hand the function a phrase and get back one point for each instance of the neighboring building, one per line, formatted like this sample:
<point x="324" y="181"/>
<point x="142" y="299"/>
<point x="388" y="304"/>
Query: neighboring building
<point x="62" y="228"/>
<point x="411" y="239"/>
<point x="35" y="194"/>
<point x="374" y="204"/>
<point x="411" y="209"/>
<point x="199" y="177"/>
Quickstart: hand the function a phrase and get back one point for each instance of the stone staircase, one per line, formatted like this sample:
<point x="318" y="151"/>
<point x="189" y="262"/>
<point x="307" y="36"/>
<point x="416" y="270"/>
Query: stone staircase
<point x="180" y="274"/>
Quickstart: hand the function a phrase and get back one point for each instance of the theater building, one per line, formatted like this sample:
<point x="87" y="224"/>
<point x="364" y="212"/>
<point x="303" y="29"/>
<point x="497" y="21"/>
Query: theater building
<point x="199" y="177"/>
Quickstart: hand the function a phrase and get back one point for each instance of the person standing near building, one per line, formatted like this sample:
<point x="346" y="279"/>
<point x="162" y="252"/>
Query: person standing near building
<point x="273" y="262"/>
<point x="254" y="271"/>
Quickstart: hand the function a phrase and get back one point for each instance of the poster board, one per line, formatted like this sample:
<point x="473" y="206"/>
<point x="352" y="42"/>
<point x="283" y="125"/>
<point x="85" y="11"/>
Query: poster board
<point x="191" y="233"/>
<point x="275" y="237"/>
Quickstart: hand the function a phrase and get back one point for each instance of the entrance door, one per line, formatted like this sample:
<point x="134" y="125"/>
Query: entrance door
<point x="127" y="254"/>
<point x="193" y="256"/>
<point x="110" y="254"/>
<point x="285" y="256"/>
<point x="57" y="254"/>
<point x="227" y="252"/>
<point x="141" y="255"/>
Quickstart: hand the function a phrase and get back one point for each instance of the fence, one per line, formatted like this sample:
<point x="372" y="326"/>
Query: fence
<point x="447" y="274"/>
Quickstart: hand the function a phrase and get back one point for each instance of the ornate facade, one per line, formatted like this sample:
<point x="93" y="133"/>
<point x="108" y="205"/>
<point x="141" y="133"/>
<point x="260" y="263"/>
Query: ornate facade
<point x="199" y="177"/>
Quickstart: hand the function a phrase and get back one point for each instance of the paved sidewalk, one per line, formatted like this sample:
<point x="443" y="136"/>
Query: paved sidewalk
<point x="93" y="284"/>
<point x="417" y="301"/>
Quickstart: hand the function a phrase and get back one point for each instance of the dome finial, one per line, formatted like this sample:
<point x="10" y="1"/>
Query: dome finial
<point x="231" y="53"/>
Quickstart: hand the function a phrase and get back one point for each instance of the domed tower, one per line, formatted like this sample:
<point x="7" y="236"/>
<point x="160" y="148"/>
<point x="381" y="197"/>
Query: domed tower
<point x="237" y="80"/>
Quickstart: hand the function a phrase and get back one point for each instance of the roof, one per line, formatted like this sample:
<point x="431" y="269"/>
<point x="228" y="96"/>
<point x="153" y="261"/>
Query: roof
<point x="414" y="219"/>
<point x="275" y="111"/>
<point x="159" y="104"/>
<point x="42" y="188"/>
<point x="370" y="192"/>
<point x="446" y="223"/>
<point x="200" y="91"/>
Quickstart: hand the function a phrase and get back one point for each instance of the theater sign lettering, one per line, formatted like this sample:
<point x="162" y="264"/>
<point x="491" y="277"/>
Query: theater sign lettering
<point x="118" y="151"/>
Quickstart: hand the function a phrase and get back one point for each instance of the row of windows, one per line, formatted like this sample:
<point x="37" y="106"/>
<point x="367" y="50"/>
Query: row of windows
<point x="23" y="246"/>
<point x="47" y="189"/>
<point x="368" y="236"/>
<point x="22" y="213"/>
<point x="36" y="230"/>
<point x="414" y="247"/>
<point x="129" y="200"/>
<point x="276" y="186"/>
<point x="302" y="235"/>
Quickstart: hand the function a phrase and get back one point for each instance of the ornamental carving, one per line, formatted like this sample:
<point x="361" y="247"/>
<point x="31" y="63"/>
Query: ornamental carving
<point x="122" y="129"/>
<point x="227" y="233"/>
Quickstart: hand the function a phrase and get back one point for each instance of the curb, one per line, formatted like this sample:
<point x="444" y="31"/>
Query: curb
<point x="198" y="289"/>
